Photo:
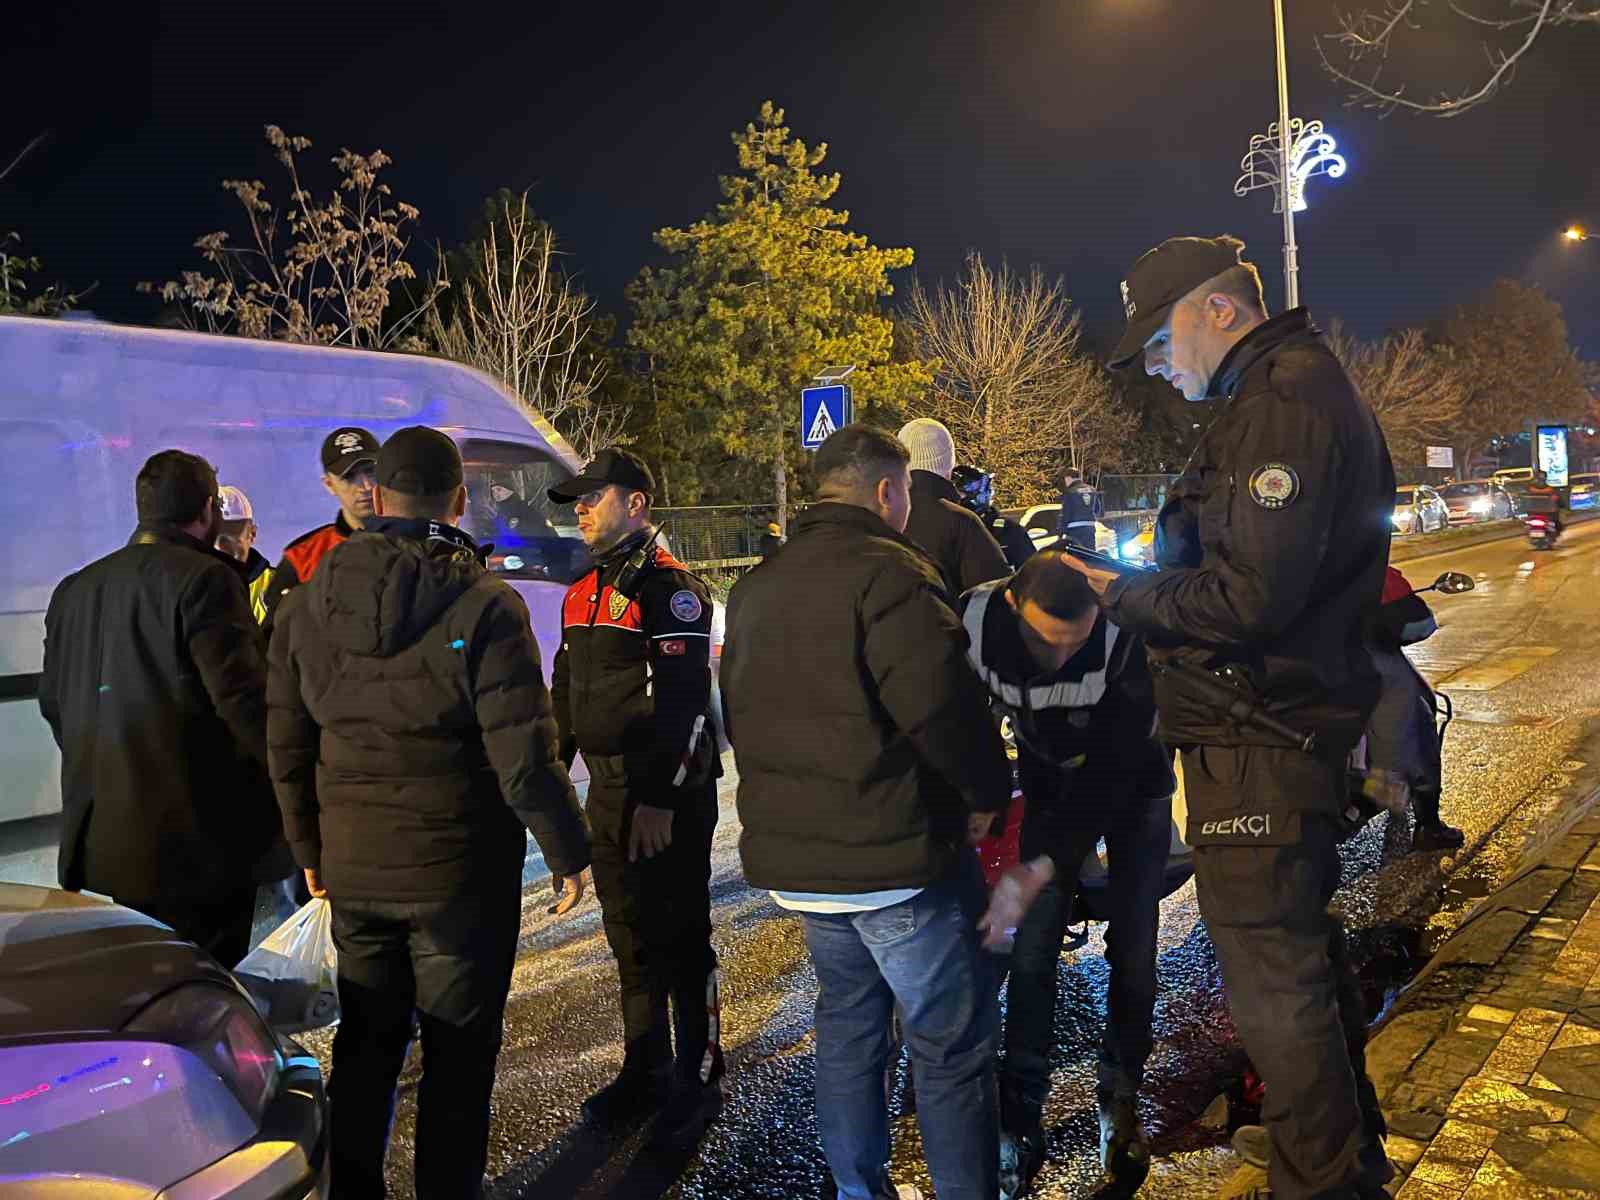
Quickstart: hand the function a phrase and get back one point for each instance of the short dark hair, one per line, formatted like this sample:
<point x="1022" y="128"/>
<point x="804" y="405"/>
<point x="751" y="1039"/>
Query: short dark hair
<point x="859" y="455"/>
<point x="417" y="508"/>
<point x="173" y="487"/>
<point x="1055" y="587"/>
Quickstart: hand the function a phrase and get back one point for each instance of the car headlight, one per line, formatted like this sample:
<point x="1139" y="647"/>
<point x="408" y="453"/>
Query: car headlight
<point x="222" y="1029"/>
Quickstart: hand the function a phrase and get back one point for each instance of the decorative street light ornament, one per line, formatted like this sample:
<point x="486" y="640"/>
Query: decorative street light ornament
<point x="1313" y="152"/>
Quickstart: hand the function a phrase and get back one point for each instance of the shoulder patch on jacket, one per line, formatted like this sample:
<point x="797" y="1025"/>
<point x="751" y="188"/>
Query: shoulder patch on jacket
<point x="1274" y="485"/>
<point x="305" y="553"/>
<point x="686" y="606"/>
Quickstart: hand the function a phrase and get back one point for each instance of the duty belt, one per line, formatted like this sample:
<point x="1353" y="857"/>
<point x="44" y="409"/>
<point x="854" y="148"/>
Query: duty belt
<point x="1228" y="696"/>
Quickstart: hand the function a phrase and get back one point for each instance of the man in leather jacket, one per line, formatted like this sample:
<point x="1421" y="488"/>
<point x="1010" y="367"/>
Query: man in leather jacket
<point x="1272" y="551"/>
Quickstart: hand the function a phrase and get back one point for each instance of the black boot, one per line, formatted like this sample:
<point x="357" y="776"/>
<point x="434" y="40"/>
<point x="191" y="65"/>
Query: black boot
<point x="633" y="1095"/>
<point x="1124" y="1149"/>
<point x="1431" y="833"/>
<point x="691" y="1105"/>
<point x="1432" y="836"/>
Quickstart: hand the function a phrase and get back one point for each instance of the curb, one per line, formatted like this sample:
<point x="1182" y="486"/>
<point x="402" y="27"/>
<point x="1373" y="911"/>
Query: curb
<point x="1535" y="858"/>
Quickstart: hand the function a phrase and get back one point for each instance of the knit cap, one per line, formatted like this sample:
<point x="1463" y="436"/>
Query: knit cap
<point x="932" y="448"/>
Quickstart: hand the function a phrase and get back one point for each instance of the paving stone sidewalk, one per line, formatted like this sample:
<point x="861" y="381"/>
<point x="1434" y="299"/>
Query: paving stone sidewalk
<point x="1489" y="1069"/>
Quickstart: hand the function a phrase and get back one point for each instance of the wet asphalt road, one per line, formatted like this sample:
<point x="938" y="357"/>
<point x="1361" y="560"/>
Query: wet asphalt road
<point x="1521" y="658"/>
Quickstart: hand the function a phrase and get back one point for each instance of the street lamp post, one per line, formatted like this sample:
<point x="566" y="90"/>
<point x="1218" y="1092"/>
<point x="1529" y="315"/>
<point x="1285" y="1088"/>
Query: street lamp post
<point x="1289" y="153"/>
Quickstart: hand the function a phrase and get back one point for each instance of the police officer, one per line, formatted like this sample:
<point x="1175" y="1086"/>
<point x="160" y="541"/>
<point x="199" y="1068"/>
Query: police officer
<point x="1272" y="550"/>
<point x="1080" y="510"/>
<point x="349" y="460"/>
<point x="1077" y="693"/>
<point x="976" y="487"/>
<point x="632" y="692"/>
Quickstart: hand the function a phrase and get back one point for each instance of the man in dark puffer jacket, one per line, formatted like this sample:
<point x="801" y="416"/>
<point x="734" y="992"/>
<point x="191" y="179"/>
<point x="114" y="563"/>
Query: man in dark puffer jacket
<point x="867" y="759"/>
<point x="411" y="740"/>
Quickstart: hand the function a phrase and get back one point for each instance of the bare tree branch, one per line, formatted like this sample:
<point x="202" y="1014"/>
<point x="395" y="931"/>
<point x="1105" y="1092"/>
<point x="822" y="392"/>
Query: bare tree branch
<point x="1013" y="385"/>
<point x="1369" y="35"/>
<point x="520" y="318"/>
<point x="1417" y="390"/>
<point x="333" y="280"/>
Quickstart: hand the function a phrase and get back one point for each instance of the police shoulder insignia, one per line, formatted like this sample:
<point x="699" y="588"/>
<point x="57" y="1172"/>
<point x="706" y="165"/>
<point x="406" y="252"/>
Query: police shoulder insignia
<point x="617" y="605"/>
<point x="685" y="606"/>
<point x="1274" y="485"/>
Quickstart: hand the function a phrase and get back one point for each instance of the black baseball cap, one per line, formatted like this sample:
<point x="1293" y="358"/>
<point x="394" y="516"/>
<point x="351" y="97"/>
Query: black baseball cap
<point x="1161" y="278"/>
<point x="609" y="466"/>
<point x="418" y="461"/>
<point x="345" y="449"/>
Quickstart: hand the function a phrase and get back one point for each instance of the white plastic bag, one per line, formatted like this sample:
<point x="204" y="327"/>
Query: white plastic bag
<point x="293" y="975"/>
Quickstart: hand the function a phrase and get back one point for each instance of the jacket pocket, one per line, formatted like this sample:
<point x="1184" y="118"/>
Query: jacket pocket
<point x="1226" y="804"/>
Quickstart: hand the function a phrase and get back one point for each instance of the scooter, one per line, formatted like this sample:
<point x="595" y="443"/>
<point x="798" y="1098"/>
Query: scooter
<point x="1542" y="531"/>
<point x="1371" y="792"/>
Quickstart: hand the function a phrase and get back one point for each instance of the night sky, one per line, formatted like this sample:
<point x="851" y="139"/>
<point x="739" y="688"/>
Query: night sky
<point x="1074" y="134"/>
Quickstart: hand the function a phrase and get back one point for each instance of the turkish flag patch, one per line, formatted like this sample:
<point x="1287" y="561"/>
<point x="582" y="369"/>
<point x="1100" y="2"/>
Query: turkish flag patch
<point x="676" y="648"/>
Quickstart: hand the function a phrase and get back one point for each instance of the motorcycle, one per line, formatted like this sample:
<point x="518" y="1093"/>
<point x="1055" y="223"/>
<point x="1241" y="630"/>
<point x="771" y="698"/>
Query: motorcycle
<point x="1542" y="531"/>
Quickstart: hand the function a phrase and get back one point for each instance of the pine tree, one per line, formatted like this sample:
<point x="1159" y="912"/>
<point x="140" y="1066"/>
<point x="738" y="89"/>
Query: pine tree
<point x="759" y="296"/>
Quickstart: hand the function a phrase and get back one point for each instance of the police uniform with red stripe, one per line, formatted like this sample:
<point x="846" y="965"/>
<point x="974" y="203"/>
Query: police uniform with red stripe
<point x="632" y="692"/>
<point x="300" y="560"/>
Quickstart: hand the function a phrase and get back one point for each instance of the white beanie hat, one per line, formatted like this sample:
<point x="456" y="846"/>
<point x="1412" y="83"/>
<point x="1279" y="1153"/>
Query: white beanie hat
<point x="932" y="448"/>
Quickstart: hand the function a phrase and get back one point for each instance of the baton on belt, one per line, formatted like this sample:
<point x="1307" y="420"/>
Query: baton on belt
<point x="1237" y="707"/>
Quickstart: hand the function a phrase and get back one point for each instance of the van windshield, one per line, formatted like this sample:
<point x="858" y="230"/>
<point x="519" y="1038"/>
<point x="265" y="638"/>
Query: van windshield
<point x="507" y="505"/>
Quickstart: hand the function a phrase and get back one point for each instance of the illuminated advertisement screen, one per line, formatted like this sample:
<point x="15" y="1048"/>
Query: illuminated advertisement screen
<point x="1550" y="453"/>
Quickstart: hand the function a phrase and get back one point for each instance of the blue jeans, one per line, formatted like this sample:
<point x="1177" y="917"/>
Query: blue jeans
<point x="1138" y="836"/>
<point x="922" y="956"/>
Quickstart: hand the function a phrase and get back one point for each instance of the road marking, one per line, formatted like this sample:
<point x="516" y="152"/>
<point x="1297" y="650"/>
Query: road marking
<point x="1507" y="665"/>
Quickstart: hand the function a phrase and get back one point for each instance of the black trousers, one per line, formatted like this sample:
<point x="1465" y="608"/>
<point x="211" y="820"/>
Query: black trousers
<point x="657" y="917"/>
<point x="1294" y="998"/>
<point x="449" y="961"/>
<point x="220" y="926"/>
<point x="1138" y="838"/>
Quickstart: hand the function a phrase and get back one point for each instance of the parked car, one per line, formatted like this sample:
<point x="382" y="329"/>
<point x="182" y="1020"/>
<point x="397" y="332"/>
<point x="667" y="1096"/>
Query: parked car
<point x="1040" y="522"/>
<point x="1584" y="492"/>
<point x="134" y="1066"/>
<point x="1418" y="509"/>
<point x="1477" y="501"/>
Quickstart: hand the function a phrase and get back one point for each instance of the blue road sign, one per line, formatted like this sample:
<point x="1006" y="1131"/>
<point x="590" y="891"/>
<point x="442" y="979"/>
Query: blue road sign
<point x="822" y="410"/>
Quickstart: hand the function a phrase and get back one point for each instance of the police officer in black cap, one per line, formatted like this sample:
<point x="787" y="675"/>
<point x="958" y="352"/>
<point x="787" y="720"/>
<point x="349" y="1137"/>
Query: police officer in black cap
<point x="1271" y="551"/>
<point x="632" y="690"/>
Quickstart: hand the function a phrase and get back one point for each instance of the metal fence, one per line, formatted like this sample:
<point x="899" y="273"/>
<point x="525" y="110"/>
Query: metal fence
<point x="717" y="536"/>
<point x="728" y="536"/>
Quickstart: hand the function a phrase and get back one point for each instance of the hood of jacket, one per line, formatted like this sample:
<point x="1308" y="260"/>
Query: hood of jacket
<point x="384" y="588"/>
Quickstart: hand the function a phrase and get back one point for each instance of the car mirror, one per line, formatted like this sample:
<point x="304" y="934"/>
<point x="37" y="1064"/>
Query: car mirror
<point x="1453" y="583"/>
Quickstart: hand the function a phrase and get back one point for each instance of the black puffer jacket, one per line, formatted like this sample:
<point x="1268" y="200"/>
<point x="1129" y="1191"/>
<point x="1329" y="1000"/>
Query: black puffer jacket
<point x="409" y="728"/>
<point x="1272" y="548"/>
<point x="155" y="688"/>
<point x="952" y="536"/>
<point x="863" y="738"/>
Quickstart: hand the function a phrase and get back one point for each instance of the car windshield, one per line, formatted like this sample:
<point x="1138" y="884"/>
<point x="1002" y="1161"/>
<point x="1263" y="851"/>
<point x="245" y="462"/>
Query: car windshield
<point x="508" y="506"/>
<point x="1404" y="496"/>
<point x="1464" y="489"/>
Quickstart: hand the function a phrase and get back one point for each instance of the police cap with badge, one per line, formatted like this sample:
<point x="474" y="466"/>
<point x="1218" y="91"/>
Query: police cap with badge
<point x="1162" y="277"/>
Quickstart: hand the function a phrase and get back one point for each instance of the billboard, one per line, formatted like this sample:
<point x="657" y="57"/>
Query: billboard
<point x="1550" y="453"/>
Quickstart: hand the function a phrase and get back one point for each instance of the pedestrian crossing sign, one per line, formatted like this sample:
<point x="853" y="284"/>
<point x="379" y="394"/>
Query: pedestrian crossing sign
<point x="823" y="410"/>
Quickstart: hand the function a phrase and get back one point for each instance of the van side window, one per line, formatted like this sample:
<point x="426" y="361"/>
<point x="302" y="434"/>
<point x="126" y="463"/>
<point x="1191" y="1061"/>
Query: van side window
<point x="508" y="506"/>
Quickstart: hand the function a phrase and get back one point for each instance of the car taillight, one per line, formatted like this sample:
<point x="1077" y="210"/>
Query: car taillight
<point x="219" y="1027"/>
